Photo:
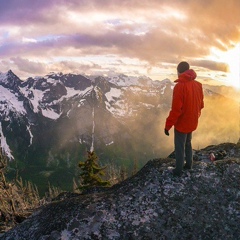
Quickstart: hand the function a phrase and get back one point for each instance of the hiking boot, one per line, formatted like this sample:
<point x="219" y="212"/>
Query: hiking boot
<point x="186" y="167"/>
<point x="176" y="174"/>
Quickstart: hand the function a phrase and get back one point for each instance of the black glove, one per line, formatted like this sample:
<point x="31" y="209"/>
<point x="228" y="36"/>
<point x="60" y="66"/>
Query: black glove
<point x="166" y="132"/>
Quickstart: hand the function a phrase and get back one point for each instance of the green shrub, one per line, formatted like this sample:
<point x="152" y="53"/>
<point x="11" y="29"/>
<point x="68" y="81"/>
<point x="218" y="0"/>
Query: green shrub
<point x="91" y="173"/>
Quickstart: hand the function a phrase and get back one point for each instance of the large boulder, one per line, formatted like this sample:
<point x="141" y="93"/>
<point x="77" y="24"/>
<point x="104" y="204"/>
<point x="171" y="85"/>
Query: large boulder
<point x="202" y="204"/>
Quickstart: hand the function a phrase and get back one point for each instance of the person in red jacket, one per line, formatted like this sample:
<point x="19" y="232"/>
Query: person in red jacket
<point x="187" y="102"/>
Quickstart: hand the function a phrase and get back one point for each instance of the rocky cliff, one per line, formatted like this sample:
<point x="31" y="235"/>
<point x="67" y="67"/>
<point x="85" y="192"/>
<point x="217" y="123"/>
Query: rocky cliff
<point x="203" y="204"/>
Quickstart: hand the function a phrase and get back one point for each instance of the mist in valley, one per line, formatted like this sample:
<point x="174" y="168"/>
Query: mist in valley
<point x="126" y="138"/>
<point x="219" y="123"/>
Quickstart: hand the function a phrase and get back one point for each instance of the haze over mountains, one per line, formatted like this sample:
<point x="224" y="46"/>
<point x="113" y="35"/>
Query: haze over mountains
<point x="48" y="123"/>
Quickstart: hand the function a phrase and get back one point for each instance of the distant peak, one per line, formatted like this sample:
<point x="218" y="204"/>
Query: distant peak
<point x="10" y="72"/>
<point x="166" y="80"/>
<point x="54" y="74"/>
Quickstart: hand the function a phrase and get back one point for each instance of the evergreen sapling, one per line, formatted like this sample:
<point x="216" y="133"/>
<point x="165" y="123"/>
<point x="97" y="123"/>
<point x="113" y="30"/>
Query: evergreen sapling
<point x="91" y="173"/>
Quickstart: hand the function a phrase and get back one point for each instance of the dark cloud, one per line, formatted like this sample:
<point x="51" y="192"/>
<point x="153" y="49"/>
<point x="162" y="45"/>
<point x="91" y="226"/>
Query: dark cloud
<point x="29" y="66"/>
<point x="72" y="66"/>
<point x="212" y="65"/>
<point x="25" y="11"/>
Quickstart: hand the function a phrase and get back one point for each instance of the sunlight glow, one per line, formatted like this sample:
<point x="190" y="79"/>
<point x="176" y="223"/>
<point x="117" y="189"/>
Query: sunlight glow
<point x="170" y="12"/>
<point x="232" y="58"/>
<point x="27" y="40"/>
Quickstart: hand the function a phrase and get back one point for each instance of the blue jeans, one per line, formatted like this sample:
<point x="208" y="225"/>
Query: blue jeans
<point x="183" y="146"/>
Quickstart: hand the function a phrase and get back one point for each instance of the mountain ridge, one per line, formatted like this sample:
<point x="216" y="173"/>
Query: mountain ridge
<point x="47" y="121"/>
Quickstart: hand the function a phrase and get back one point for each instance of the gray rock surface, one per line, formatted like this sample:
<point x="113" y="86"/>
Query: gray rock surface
<point x="202" y="204"/>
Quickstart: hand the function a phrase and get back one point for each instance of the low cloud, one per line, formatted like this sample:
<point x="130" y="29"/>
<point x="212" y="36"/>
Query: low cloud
<point x="212" y="65"/>
<point x="29" y="66"/>
<point x="75" y="67"/>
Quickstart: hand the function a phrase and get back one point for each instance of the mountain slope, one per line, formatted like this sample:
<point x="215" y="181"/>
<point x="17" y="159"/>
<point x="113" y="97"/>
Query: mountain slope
<point x="48" y="123"/>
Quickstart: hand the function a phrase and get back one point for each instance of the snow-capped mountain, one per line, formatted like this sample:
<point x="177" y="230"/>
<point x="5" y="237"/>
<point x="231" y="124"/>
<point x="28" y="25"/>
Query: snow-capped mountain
<point x="51" y="121"/>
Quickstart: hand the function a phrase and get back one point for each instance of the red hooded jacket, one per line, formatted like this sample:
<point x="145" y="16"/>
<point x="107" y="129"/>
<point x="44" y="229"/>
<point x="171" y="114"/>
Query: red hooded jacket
<point x="187" y="103"/>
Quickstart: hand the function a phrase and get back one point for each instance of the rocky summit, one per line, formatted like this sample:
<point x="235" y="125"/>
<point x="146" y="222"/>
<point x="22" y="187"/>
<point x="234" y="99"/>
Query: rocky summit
<point x="153" y="204"/>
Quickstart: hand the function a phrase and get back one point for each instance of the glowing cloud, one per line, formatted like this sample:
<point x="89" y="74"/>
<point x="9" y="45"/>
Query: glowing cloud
<point x="152" y="32"/>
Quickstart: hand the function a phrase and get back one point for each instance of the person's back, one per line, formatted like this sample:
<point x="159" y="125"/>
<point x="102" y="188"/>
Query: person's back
<point x="190" y="91"/>
<point x="187" y="103"/>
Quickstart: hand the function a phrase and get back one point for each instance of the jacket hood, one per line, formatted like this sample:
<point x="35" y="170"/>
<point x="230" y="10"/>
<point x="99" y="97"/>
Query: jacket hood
<point x="187" y="76"/>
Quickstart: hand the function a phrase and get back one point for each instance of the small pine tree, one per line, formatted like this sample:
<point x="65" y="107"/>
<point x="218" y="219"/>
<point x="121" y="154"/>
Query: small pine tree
<point x="91" y="173"/>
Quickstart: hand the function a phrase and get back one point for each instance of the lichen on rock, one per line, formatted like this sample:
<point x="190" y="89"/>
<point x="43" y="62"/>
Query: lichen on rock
<point x="153" y="204"/>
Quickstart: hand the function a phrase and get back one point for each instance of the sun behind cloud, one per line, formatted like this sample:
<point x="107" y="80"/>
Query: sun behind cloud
<point x="232" y="59"/>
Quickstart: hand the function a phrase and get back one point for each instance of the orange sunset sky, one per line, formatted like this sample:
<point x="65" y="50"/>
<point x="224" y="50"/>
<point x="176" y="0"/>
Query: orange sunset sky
<point x="107" y="37"/>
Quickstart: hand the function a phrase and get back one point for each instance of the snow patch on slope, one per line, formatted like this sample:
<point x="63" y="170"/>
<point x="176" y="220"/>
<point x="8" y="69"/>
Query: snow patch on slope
<point x="10" y="102"/>
<point x="4" y="144"/>
<point x="49" y="113"/>
<point x="114" y="104"/>
<point x="3" y="78"/>
<point x="71" y="92"/>
<point x="114" y="93"/>
<point x="123" y="80"/>
<point x="31" y="135"/>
